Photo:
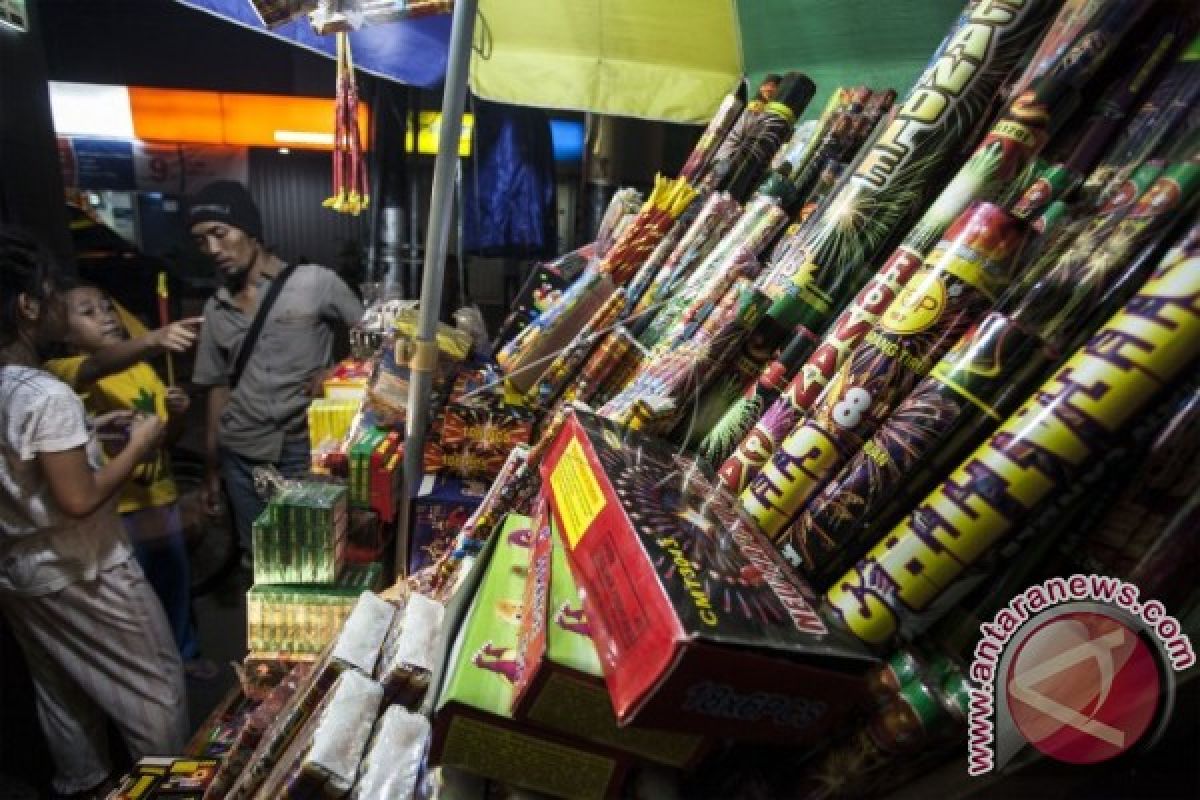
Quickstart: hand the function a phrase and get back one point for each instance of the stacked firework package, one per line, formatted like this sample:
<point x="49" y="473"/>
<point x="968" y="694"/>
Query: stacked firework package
<point x="344" y="723"/>
<point x="474" y="727"/>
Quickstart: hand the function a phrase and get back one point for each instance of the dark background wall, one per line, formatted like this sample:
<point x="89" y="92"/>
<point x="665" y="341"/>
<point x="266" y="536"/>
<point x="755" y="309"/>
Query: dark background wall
<point x="31" y="188"/>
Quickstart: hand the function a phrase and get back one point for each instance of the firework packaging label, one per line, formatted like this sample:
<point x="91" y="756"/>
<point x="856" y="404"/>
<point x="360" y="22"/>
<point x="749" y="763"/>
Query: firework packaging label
<point x="561" y="684"/>
<point x="443" y="505"/>
<point x="890" y="181"/>
<point x="883" y="192"/>
<point x="973" y="383"/>
<point x="806" y="386"/>
<point x="959" y="282"/>
<point x="473" y="726"/>
<point x="1033" y="454"/>
<point x="699" y="626"/>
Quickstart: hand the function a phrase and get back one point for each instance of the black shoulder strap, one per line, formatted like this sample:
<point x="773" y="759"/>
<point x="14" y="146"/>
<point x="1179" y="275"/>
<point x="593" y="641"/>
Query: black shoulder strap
<point x="260" y="319"/>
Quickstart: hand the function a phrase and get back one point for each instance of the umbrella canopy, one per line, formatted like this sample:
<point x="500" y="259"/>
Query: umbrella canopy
<point x="653" y="59"/>
<point x="411" y="51"/>
<point x="673" y="61"/>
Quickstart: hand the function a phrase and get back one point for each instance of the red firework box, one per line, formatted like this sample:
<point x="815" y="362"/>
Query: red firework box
<point x="699" y="625"/>
<point x="560" y="684"/>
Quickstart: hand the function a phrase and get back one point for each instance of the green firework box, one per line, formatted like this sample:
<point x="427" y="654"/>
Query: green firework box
<point x="699" y="625"/>
<point x="473" y="727"/>
<point x="561" y="685"/>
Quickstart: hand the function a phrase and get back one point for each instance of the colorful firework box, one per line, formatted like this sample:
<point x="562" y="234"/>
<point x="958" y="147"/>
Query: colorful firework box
<point x="304" y="619"/>
<point x="300" y="537"/>
<point x="700" y="625"/>
<point x="349" y="380"/>
<point x="443" y="503"/>
<point x="376" y="459"/>
<point x="472" y="440"/>
<point x="543" y="288"/>
<point x="176" y="778"/>
<point x="561" y="684"/>
<point x="473" y="727"/>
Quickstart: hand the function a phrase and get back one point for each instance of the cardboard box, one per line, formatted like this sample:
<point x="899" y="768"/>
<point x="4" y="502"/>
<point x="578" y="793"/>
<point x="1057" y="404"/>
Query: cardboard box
<point x="161" y="777"/>
<point x="561" y="685"/>
<point x="443" y="504"/>
<point x="700" y="625"/>
<point x="473" y="728"/>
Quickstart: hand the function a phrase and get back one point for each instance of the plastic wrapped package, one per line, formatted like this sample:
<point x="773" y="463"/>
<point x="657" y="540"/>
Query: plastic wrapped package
<point x="409" y="658"/>
<point x="339" y="739"/>
<point x="361" y="640"/>
<point x="393" y="763"/>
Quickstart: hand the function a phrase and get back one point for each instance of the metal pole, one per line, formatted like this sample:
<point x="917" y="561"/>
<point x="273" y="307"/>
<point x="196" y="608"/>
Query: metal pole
<point x="424" y="361"/>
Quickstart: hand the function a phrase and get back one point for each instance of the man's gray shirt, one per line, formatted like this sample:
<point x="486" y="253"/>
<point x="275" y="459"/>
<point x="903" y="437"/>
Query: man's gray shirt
<point x="270" y="402"/>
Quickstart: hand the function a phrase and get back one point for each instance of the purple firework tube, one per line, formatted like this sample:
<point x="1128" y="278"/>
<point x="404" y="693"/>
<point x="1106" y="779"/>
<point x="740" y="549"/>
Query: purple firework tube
<point x="960" y="281"/>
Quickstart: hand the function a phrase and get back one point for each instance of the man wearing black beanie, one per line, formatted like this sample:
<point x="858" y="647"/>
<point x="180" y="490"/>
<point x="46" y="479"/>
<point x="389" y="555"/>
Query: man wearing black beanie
<point x="260" y="373"/>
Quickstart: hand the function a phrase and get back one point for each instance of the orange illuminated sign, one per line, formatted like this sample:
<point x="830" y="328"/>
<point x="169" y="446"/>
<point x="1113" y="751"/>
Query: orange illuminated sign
<point x="240" y="120"/>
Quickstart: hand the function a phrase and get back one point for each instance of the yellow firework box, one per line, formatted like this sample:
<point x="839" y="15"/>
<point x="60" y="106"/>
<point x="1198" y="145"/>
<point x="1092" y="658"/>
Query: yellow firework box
<point x="1037" y="450"/>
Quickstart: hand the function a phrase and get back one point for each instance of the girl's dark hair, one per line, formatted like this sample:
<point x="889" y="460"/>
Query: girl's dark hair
<point x="26" y="267"/>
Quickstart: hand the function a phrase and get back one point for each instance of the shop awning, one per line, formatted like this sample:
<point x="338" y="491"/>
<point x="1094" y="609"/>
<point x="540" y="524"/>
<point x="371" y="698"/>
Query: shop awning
<point x="412" y="51"/>
<point x="674" y="61"/>
<point x="653" y="59"/>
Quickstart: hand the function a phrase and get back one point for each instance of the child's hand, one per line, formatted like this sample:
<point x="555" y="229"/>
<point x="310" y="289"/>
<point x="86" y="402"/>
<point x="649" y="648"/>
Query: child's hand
<point x="178" y="336"/>
<point x="146" y="433"/>
<point x="177" y="401"/>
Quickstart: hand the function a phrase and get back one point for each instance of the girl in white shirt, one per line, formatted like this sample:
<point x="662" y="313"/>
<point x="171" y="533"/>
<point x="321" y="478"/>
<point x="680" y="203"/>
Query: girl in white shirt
<point x="91" y="628"/>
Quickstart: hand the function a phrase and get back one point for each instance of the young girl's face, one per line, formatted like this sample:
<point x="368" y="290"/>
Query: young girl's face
<point x="92" y="321"/>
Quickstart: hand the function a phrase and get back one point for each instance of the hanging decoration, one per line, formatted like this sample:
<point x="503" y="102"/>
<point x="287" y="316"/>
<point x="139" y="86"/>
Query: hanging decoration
<point x="350" y="191"/>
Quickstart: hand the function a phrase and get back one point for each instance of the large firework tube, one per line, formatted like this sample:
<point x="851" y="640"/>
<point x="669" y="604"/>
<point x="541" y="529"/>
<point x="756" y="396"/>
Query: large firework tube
<point x="1031" y="118"/>
<point x="1035" y="453"/>
<point x="888" y="185"/>
<point x="713" y="221"/>
<point x="983" y="377"/>
<point x="823" y="360"/>
<point x="1104" y="123"/>
<point x="706" y="146"/>
<point x="1005" y="340"/>
<point x="1169" y="104"/>
<point x="772" y="131"/>
<point x="1004" y="154"/>
<point x="960" y="281"/>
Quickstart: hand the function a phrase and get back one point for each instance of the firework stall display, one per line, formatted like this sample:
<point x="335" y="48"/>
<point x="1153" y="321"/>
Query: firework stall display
<point x="720" y="507"/>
